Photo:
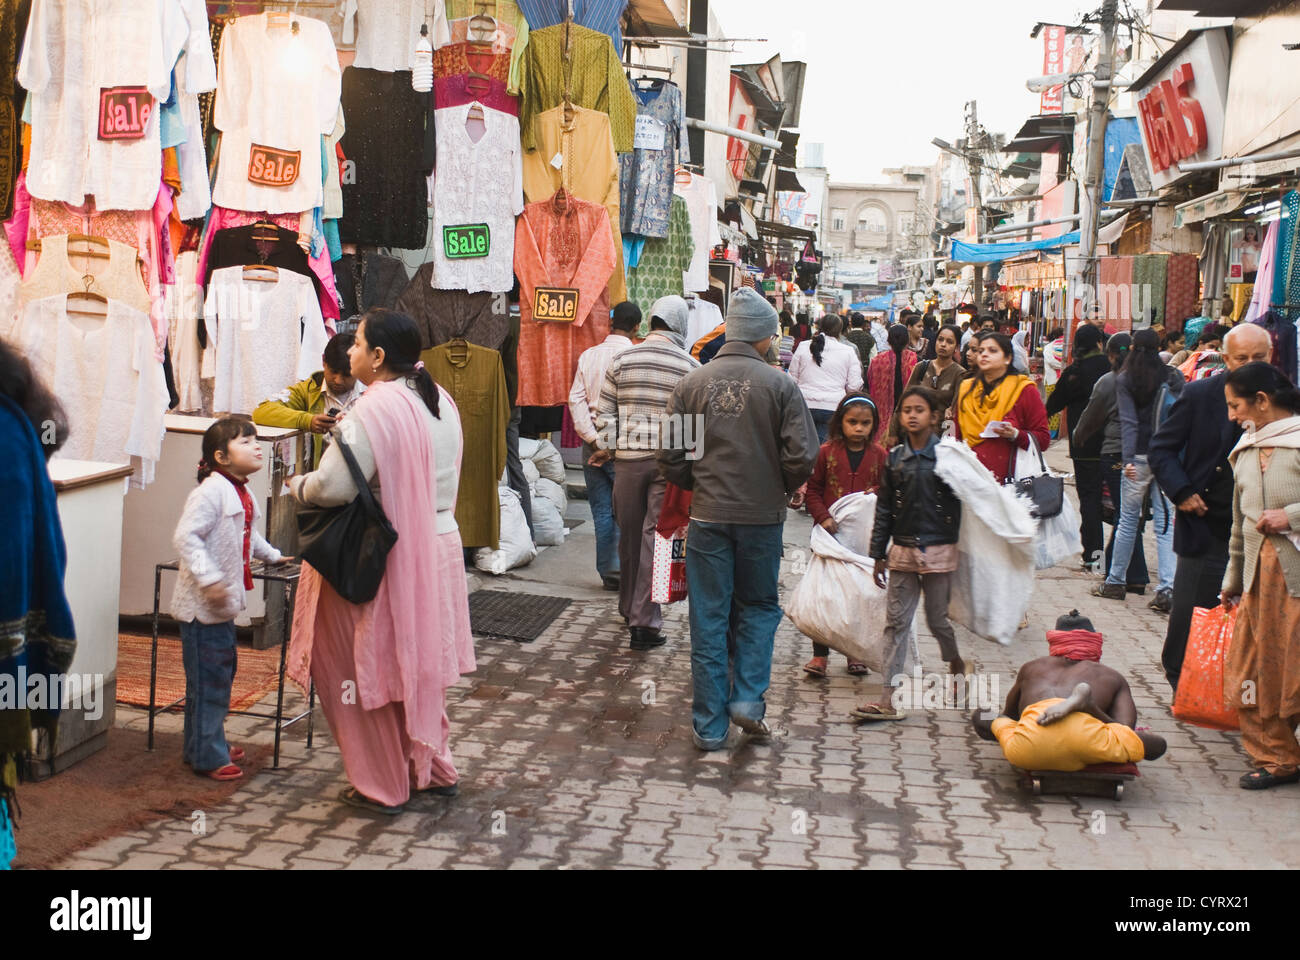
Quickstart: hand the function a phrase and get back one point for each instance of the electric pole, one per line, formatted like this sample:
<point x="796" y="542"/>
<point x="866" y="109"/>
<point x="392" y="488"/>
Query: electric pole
<point x="1096" y="161"/>
<point x="975" y="167"/>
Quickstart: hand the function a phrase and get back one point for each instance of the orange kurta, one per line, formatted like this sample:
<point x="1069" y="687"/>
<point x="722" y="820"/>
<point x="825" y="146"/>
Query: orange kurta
<point x="569" y="248"/>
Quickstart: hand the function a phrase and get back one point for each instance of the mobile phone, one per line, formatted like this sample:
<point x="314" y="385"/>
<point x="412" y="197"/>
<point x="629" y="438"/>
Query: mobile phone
<point x="332" y="412"/>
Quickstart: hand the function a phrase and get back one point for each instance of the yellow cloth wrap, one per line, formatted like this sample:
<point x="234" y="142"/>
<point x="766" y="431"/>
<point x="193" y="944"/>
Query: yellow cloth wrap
<point x="975" y="411"/>
<point x="1075" y="741"/>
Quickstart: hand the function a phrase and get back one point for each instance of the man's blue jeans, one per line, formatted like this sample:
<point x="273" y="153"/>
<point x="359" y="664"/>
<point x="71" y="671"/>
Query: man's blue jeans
<point x="208" y="652"/>
<point x="731" y="576"/>
<point x="1132" y="495"/>
<point x="600" y="497"/>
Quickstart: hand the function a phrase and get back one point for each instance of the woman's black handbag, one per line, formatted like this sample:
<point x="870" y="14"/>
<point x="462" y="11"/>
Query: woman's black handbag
<point x="348" y="545"/>
<point x="1046" y="491"/>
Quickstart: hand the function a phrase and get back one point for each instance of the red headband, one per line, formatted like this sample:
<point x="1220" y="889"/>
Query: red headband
<point x="1074" y="644"/>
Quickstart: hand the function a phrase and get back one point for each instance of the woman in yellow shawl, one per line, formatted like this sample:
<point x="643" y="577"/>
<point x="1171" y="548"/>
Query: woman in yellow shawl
<point x="999" y="395"/>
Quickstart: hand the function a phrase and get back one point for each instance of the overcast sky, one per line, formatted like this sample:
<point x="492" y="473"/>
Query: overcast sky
<point x="885" y="76"/>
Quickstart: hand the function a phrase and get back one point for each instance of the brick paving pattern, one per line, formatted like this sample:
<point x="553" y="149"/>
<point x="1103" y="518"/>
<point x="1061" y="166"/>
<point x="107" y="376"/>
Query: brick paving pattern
<point x="575" y="753"/>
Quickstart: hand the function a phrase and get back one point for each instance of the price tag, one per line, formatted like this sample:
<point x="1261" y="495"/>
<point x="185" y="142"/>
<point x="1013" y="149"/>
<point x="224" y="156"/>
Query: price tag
<point x="467" y="241"/>
<point x="649" y="134"/>
<point x="557" y="161"/>
<point x="555" y="304"/>
<point x="270" y="167"/>
<point x="124" y="112"/>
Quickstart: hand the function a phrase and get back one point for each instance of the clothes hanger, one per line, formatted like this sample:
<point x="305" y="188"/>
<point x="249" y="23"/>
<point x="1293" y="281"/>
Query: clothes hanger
<point x="680" y="173"/>
<point x="264" y="231"/>
<point x="561" y="200"/>
<point x="98" y="246"/>
<point x="261" y="273"/>
<point x="86" y="303"/>
<point x="475" y="112"/>
<point x="458" y="349"/>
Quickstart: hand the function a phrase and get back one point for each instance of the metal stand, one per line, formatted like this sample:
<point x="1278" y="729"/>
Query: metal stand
<point x="285" y="573"/>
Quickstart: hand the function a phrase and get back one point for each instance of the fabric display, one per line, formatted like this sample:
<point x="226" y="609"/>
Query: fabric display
<point x="1182" y="290"/>
<point x="13" y="25"/>
<point x="590" y="71"/>
<point x="663" y="263"/>
<point x="563" y="257"/>
<point x="443" y="315"/>
<point x="1286" y="275"/>
<point x="646" y="174"/>
<point x="1150" y="272"/>
<point x="475" y="379"/>
<point x="385" y="196"/>
<point x="578" y="155"/>
<point x="463" y="88"/>
<point x="261" y="334"/>
<point x="701" y="198"/>
<point x="384" y="32"/>
<point x="477" y="193"/>
<point x="1113" y="274"/>
<point x="498" y="24"/>
<point x="604" y="16"/>
<point x="368" y="280"/>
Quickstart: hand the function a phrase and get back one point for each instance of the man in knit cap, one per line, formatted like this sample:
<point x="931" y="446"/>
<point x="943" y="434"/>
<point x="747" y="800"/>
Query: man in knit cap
<point x="1067" y="711"/>
<point x="759" y="445"/>
<point x="628" y="418"/>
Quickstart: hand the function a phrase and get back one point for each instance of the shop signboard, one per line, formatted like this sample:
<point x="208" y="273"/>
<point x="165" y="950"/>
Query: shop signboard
<point x="1181" y="110"/>
<point x="1053" y="63"/>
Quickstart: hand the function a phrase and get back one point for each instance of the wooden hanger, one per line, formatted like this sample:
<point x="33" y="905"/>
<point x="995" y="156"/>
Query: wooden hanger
<point x="681" y="173"/>
<point x="98" y="246"/>
<point x="475" y="112"/>
<point x="264" y="231"/>
<point x="560" y="200"/>
<point x="458" y="350"/>
<point x="86" y="303"/>
<point x="261" y="273"/>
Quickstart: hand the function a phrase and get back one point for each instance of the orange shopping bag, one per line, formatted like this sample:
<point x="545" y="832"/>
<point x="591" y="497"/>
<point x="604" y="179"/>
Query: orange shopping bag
<point x="1200" y="687"/>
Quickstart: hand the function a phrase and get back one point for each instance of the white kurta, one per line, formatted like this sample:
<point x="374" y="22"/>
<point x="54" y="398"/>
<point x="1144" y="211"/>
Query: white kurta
<point x="701" y="198"/>
<point x="74" y="50"/>
<point x="477" y="182"/>
<point x="105" y="375"/>
<point x="276" y="90"/>
<point x="261" y="336"/>
<point x="386" y="31"/>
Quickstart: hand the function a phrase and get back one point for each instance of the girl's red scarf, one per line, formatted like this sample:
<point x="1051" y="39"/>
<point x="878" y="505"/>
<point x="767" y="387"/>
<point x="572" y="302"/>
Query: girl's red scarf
<point x="246" y="499"/>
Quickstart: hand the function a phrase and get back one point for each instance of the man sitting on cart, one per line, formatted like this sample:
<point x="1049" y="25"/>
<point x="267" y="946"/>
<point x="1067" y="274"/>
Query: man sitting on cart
<point x="1066" y="711"/>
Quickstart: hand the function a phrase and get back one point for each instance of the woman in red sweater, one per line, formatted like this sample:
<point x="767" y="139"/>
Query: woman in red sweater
<point x="999" y="395"/>
<point x="850" y="461"/>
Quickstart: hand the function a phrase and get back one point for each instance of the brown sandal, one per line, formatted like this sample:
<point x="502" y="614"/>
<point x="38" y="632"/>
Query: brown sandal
<point x="816" y="667"/>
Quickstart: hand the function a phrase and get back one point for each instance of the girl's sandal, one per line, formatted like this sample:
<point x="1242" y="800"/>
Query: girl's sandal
<point x="236" y="754"/>
<point x="228" y="772"/>
<point x="858" y="669"/>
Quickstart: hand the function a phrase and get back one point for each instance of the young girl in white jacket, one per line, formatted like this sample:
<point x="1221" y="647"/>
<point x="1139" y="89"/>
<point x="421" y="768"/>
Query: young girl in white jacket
<point x="217" y="539"/>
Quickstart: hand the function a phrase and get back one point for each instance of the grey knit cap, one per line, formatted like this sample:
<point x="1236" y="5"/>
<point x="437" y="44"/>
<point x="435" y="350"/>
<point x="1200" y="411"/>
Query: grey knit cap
<point x="750" y="318"/>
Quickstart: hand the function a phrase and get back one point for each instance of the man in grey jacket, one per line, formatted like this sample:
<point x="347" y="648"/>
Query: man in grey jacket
<point x="759" y="446"/>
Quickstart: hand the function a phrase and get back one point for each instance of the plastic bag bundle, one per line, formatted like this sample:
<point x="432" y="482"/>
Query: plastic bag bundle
<point x="515" y="547"/>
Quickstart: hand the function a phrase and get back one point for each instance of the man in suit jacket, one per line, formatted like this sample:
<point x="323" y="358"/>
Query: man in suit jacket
<point x="1189" y="457"/>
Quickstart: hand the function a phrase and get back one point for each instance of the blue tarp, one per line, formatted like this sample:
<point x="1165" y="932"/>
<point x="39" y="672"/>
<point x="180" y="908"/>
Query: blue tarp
<point x="1120" y="132"/>
<point x="882" y="302"/>
<point x="997" y="252"/>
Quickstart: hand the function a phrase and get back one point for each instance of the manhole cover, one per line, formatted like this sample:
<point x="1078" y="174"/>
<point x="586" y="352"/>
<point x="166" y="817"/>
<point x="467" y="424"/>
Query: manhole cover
<point x="516" y="616"/>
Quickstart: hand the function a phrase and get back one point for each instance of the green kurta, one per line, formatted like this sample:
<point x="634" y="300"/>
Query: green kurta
<point x="659" y="272"/>
<point x="594" y="74"/>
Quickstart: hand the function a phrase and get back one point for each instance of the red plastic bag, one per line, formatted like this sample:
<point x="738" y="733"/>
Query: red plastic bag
<point x="668" y="575"/>
<point x="1200" y="697"/>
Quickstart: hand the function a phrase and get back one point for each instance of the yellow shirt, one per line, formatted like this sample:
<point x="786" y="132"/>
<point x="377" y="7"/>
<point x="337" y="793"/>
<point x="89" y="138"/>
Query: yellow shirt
<point x="1075" y="741"/>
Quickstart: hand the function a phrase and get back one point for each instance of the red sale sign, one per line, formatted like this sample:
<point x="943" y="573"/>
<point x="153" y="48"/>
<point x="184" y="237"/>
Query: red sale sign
<point x="1052" y="100"/>
<point x="124" y="112"/>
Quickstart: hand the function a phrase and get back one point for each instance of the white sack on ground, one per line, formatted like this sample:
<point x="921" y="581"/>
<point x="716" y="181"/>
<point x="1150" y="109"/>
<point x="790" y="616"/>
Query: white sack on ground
<point x="995" y="568"/>
<point x="515" y="548"/>
<point x="548" y="523"/>
<point x="528" y="448"/>
<point x="531" y="473"/>
<point x="553" y="492"/>
<point x="837" y="603"/>
<point x="549" y="461"/>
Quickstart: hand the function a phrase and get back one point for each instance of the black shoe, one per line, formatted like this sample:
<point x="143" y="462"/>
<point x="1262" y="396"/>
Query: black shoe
<point x="1138" y="589"/>
<point x="1163" y="601"/>
<point x="643" y="638"/>
<point x="610" y="583"/>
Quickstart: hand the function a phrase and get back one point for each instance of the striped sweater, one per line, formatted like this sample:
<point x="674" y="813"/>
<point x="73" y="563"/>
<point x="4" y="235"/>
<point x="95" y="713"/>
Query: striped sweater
<point x="635" y="396"/>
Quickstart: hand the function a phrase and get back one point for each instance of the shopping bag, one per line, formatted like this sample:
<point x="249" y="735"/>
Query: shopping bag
<point x="1057" y="538"/>
<point x="668" y="574"/>
<point x="1200" y="698"/>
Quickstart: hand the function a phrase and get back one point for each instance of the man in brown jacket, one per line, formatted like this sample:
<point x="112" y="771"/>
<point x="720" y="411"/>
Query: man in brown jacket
<point x="757" y="445"/>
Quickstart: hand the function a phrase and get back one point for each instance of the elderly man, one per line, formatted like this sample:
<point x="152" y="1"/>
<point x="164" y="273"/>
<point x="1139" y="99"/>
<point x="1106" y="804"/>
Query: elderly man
<point x="759" y="446"/>
<point x="632" y="405"/>
<point x="1189" y="458"/>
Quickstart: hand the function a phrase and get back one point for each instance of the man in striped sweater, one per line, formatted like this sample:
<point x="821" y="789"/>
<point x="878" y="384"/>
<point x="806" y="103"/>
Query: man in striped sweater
<point x="632" y="405"/>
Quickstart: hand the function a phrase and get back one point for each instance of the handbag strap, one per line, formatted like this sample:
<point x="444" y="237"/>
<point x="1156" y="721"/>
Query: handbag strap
<point x="363" y="488"/>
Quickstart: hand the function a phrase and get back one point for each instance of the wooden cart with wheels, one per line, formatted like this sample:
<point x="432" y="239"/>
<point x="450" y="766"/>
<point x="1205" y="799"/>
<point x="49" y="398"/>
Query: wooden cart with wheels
<point x="1098" y="780"/>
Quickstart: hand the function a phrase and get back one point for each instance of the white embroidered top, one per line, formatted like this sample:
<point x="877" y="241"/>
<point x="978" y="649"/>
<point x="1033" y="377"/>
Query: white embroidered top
<point x="76" y="52"/>
<point x="105" y="374"/>
<point x="277" y="95"/>
<point x="386" y="31"/>
<point x="261" y="335"/>
<point x="477" y="182"/>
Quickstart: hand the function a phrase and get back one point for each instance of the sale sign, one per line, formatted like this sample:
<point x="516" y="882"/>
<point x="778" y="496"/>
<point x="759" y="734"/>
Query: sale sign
<point x="555" y="304"/>
<point x="270" y="167"/>
<point x="1052" y="100"/>
<point x="467" y="241"/>
<point x="124" y="112"/>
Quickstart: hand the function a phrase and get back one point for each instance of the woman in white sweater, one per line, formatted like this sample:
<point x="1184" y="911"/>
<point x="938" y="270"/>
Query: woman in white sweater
<point x="826" y="371"/>
<point x="382" y="667"/>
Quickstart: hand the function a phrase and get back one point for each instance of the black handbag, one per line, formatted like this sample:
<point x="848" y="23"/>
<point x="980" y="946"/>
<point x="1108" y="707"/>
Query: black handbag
<point x="348" y="545"/>
<point x="1046" y="491"/>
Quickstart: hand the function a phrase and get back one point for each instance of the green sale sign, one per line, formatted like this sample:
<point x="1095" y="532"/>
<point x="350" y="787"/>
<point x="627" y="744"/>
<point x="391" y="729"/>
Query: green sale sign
<point x="466" y="241"/>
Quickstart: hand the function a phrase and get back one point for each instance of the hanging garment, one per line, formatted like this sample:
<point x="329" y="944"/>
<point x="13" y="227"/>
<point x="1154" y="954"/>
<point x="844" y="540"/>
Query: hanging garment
<point x="604" y="16"/>
<point x="1260" y="300"/>
<point x="195" y="73"/>
<point x="117" y="279"/>
<point x="587" y="168"/>
<point x="461" y="89"/>
<point x="184" y="310"/>
<point x="565" y="246"/>
<point x="1115" y="291"/>
<point x="477" y="193"/>
<point x="105" y="375"/>
<point x="1286" y="274"/>
<point x="237" y="247"/>
<point x="471" y="58"/>
<point x="1150" y="273"/>
<point x="332" y="174"/>
<point x="481" y="318"/>
<point x="13" y="24"/>
<point x="646" y="174"/>
<point x="701" y="198"/>
<point x="1182" y="291"/>
<point x="272" y="109"/>
<point x="663" y="265"/>
<point x="385" y="32"/>
<point x="97" y="70"/>
<point x="508" y="32"/>
<point x="261" y="336"/>
<point x="701" y="317"/>
<point x="474" y="378"/>
<point x="592" y="73"/>
<point x="385" y="197"/>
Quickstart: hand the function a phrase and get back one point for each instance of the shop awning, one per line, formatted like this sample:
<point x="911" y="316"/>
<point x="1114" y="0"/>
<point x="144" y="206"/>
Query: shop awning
<point x="1042" y="134"/>
<point x="997" y="252"/>
<point x="1218" y="8"/>
<point x="1211" y="205"/>
<point x="774" y="230"/>
<point x="652" y="18"/>
<point x="788" y="180"/>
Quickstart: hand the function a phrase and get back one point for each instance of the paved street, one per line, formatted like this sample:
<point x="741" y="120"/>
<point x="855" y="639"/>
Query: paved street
<point x="575" y="752"/>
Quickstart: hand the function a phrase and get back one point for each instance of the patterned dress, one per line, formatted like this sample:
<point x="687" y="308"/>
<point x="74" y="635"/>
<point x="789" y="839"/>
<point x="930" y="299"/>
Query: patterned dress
<point x="646" y="175"/>
<point x="659" y="271"/>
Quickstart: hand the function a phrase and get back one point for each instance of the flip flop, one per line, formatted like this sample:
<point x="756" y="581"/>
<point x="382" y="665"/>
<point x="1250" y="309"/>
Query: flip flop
<point x="354" y="798"/>
<point x="1262" y="779"/>
<point x="236" y="754"/>
<point x="873" y="711"/>
<point x="228" y="772"/>
<point x="857" y="668"/>
<point x="816" y="667"/>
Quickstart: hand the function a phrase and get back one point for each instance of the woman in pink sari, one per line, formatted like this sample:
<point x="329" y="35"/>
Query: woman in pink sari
<point x="382" y="668"/>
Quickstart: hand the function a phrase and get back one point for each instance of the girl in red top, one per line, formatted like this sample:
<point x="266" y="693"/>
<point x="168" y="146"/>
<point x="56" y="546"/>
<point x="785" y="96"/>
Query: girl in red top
<point x="850" y="461"/>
